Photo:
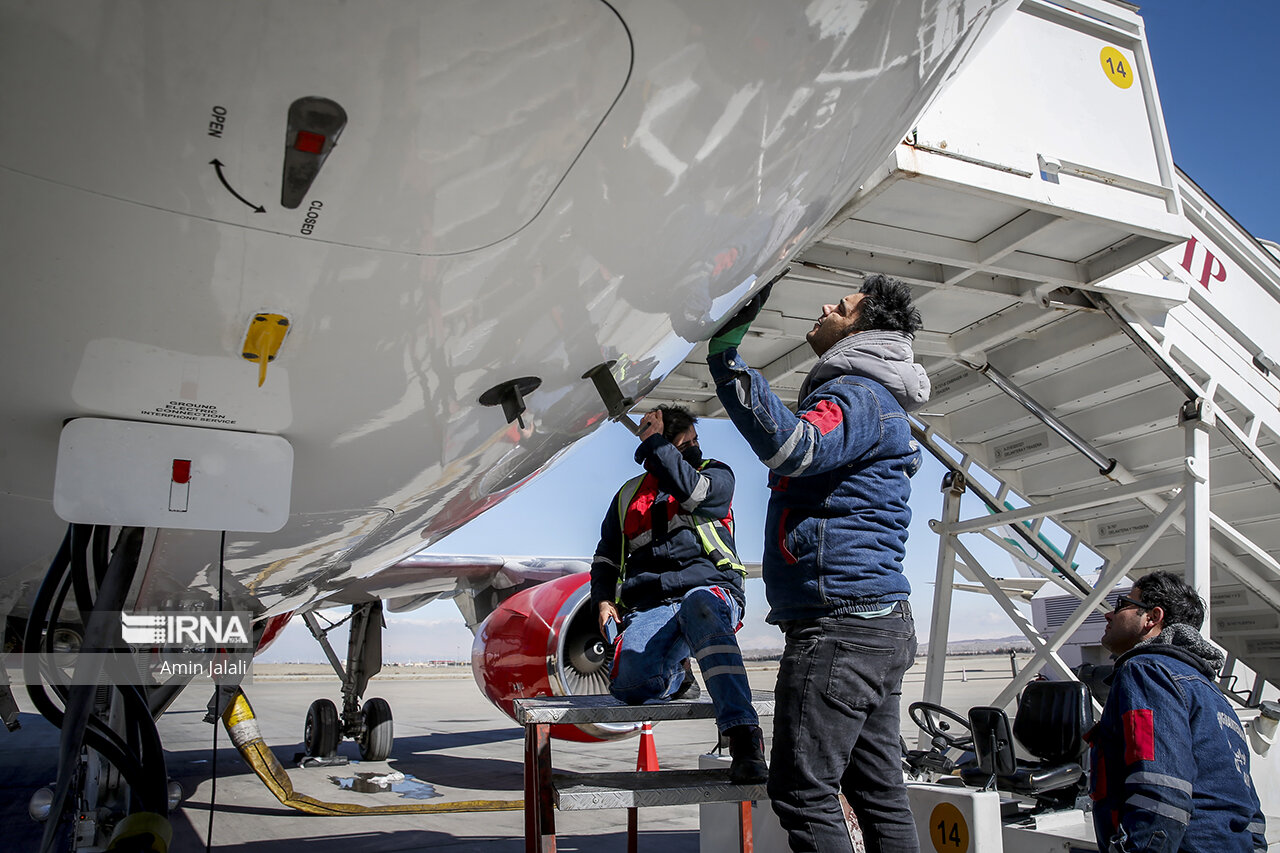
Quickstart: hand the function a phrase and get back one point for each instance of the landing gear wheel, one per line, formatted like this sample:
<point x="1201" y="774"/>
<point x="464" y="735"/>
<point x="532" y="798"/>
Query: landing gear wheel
<point x="938" y="721"/>
<point x="322" y="735"/>
<point x="375" y="743"/>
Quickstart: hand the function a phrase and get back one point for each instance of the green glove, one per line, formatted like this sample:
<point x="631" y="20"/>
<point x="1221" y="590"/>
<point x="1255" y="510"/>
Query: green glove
<point x="735" y="328"/>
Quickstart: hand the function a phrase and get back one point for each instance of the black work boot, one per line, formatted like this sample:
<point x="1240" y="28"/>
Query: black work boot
<point x="746" y="746"/>
<point x="689" y="688"/>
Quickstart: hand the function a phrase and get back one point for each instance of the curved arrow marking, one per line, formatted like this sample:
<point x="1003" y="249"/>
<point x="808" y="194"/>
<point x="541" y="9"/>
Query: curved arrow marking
<point x="217" y="165"/>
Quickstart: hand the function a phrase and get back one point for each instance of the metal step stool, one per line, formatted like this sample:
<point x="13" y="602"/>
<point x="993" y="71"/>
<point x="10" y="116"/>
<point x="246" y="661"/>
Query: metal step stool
<point x="545" y="791"/>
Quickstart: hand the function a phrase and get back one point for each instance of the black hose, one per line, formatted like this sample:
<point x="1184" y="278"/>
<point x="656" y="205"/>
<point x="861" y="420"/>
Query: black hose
<point x="31" y="640"/>
<point x="153" y="788"/>
<point x="80" y="537"/>
<point x="99" y="736"/>
<point x="213" y="770"/>
<point x="146" y="774"/>
<point x="52" y="617"/>
<point x="79" y="710"/>
<point x="52" y="621"/>
<point x="133" y="735"/>
<point x="101" y="553"/>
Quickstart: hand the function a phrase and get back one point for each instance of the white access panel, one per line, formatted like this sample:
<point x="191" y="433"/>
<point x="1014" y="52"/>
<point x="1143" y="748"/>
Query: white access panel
<point x="159" y="475"/>
<point x="1063" y="94"/>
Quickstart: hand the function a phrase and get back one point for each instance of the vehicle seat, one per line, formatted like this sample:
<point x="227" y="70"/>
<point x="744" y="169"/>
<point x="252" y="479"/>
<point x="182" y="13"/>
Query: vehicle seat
<point x="1050" y="723"/>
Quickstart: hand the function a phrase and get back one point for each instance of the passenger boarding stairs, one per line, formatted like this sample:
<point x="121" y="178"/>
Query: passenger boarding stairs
<point x="1099" y="334"/>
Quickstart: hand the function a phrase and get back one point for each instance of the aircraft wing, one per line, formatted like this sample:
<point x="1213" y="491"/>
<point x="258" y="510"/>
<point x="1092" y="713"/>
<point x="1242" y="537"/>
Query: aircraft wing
<point x="1017" y="587"/>
<point x="1023" y="588"/>
<point x="422" y="578"/>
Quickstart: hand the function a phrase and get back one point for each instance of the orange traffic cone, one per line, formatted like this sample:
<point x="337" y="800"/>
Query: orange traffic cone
<point x="647" y="758"/>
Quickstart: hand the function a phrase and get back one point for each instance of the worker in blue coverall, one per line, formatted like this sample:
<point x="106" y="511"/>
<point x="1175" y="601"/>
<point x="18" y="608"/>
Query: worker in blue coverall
<point x="1170" y="763"/>
<point x="666" y="571"/>
<point x="835" y="537"/>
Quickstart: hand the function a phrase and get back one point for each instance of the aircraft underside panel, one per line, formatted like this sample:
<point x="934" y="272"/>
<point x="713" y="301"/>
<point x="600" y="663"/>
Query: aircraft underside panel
<point x="346" y="226"/>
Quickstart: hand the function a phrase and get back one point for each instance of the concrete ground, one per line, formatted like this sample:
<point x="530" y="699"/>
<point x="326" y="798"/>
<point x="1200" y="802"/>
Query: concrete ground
<point x="446" y="734"/>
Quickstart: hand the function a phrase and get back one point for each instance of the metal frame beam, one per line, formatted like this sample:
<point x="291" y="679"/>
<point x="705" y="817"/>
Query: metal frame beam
<point x="935" y="668"/>
<point x="1113" y="494"/>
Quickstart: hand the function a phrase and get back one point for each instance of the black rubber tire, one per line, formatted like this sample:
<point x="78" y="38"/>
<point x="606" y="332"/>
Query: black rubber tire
<point x="321" y="735"/>
<point x="375" y="744"/>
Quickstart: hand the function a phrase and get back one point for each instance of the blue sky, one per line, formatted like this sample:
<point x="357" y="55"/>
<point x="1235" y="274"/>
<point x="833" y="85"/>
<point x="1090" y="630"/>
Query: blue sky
<point x="1216" y="70"/>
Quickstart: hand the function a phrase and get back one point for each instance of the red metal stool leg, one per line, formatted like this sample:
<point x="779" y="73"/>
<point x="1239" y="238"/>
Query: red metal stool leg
<point x="744" y="827"/>
<point x="539" y="813"/>
<point x="530" y="792"/>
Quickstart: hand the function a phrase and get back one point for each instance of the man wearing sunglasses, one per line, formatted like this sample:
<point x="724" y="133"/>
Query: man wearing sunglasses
<point x="1170" y="764"/>
<point x="666" y="569"/>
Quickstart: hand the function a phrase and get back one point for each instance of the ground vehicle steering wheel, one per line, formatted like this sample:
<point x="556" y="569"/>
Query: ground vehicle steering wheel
<point x="942" y="724"/>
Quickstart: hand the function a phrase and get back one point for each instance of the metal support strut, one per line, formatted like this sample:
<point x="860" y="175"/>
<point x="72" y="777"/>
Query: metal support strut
<point x="953" y="488"/>
<point x="1105" y="463"/>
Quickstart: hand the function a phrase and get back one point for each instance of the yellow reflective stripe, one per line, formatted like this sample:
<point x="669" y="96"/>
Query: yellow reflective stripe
<point x="625" y="495"/>
<point x="730" y="558"/>
<point x="712" y="543"/>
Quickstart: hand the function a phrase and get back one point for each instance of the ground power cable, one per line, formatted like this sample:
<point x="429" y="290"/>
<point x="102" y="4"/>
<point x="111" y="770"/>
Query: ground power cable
<point x="246" y="736"/>
<point x="213" y="763"/>
<point x="245" y="733"/>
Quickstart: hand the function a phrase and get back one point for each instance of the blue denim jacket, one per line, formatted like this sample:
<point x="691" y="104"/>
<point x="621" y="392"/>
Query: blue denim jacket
<point x="1170" y="764"/>
<point x="839" y="471"/>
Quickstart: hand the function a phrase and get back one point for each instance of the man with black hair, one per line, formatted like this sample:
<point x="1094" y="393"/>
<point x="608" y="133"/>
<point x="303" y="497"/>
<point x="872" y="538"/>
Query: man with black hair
<point x="666" y="571"/>
<point x="835" y="537"/>
<point x="1170" y="763"/>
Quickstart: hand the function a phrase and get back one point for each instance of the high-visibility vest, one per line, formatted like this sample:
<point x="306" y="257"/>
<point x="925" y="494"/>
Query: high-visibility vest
<point x="636" y="491"/>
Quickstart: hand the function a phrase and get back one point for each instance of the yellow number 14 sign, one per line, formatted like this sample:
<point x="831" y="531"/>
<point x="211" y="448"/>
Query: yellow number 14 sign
<point x="948" y="830"/>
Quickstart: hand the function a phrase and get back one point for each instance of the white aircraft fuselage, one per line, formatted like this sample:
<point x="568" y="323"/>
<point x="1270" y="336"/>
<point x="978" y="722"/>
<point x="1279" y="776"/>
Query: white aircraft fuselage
<point x="341" y="224"/>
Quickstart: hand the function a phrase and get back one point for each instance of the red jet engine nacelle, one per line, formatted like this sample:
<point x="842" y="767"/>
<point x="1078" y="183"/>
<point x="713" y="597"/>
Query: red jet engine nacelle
<point x="545" y="641"/>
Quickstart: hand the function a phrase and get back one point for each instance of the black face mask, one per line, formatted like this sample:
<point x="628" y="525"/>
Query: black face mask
<point x="692" y="455"/>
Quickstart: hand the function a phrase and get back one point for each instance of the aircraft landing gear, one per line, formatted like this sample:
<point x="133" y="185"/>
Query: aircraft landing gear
<point x="376" y="739"/>
<point x="369" y="726"/>
<point x="321" y="734"/>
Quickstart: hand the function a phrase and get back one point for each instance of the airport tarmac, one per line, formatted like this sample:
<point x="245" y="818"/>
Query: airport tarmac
<point x="446" y="735"/>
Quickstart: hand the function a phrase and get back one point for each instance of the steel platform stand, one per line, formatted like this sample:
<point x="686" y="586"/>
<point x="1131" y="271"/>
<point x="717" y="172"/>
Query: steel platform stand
<point x="545" y="791"/>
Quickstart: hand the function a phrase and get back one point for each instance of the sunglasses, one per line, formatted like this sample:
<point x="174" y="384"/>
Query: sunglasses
<point x="1125" y="601"/>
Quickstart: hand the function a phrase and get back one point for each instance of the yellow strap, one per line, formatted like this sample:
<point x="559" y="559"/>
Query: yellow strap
<point x="142" y="831"/>
<point x="625" y="495"/>
<point x="242" y="725"/>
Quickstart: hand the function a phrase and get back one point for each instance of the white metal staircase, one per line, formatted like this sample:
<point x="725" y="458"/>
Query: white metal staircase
<point x="1099" y="334"/>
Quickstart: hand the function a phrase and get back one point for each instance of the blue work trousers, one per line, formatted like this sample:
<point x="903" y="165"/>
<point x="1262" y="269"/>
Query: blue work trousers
<point x="655" y="641"/>
<point x="837" y="730"/>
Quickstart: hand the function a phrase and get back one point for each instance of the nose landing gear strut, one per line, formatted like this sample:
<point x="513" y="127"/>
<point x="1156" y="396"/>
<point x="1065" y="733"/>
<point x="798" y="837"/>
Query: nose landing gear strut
<point x="370" y="725"/>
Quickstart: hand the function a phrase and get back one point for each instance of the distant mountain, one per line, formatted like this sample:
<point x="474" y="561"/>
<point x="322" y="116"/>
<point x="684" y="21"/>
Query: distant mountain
<point x="996" y="645"/>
